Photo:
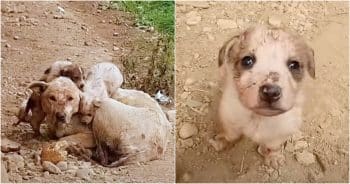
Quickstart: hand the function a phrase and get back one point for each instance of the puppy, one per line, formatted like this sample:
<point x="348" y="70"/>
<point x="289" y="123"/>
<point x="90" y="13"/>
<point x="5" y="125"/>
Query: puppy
<point x="59" y="100"/>
<point x="262" y="71"/>
<point x="126" y="134"/>
<point x="102" y="81"/>
<point x="29" y="110"/>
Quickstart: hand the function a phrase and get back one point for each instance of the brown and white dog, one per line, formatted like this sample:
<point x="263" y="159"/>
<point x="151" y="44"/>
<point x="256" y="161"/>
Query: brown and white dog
<point x="30" y="110"/>
<point x="59" y="101"/>
<point x="262" y="71"/>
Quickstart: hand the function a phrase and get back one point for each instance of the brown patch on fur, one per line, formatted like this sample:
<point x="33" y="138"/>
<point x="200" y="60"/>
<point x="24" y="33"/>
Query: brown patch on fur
<point x="75" y="73"/>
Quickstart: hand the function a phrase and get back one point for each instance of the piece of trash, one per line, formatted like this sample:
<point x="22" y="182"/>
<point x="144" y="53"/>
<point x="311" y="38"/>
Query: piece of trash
<point x="162" y="98"/>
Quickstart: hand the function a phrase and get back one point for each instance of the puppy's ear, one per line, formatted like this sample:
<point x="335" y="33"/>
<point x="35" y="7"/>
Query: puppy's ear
<point x="65" y="71"/>
<point x="97" y="103"/>
<point x="226" y="48"/>
<point x="311" y="63"/>
<point x="38" y="86"/>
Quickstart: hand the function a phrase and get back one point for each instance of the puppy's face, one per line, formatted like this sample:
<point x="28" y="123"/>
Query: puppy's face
<point x="267" y="66"/>
<point x="87" y="109"/>
<point x="75" y="73"/>
<point x="59" y="99"/>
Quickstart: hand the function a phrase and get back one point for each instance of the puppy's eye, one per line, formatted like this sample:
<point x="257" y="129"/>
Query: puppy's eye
<point x="70" y="98"/>
<point x="53" y="98"/>
<point x="293" y="65"/>
<point x="89" y="114"/>
<point x="248" y="62"/>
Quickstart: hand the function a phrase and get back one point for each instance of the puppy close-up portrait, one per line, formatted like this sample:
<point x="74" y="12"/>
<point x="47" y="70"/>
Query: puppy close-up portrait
<point x="262" y="91"/>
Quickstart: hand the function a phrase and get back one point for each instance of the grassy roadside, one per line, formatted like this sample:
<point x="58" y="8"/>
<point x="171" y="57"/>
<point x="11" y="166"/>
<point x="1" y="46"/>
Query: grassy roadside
<point x="157" y="15"/>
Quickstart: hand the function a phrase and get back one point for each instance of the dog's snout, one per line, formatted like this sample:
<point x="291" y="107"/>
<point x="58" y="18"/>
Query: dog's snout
<point x="81" y="86"/>
<point x="60" y="116"/>
<point x="270" y="93"/>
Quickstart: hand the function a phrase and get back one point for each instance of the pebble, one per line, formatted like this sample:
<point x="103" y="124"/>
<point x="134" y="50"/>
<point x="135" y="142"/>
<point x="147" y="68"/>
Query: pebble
<point x="62" y="165"/>
<point x="52" y="168"/>
<point x="83" y="174"/>
<point x="226" y="23"/>
<point x="22" y="18"/>
<point x="8" y="145"/>
<point x="84" y="28"/>
<point x="196" y="56"/>
<point x="186" y="177"/>
<point x="300" y="145"/>
<point x="188" y="130"/>
<point x="15" y="37"/>
<point x="115" y="48"/>
<point x="189" y="81"/>
<point x="115" y="34"/>
<point x="46" y="174"/>
<point x="86" y="43"/>
<point x="171" y="115"/>
<point x="275" y="21"/>
<point x="15" y="161"/>
<point x="193" y="18"/>
<point x="58" y="17"/>
<point x="7" y="45"/>
<point x="305" y="157"/>
<point x="187" y="143"/>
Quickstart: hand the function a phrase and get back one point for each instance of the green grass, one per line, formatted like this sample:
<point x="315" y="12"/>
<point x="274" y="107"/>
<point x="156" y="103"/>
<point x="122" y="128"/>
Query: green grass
<point x="158" y="14"/>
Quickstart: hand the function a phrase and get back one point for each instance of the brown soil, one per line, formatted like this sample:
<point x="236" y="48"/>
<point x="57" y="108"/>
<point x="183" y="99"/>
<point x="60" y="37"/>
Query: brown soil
<point x="32" y="39"/>
<point x="325" y="129"/>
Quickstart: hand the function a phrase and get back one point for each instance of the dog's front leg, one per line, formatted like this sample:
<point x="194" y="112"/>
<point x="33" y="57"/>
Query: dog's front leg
<point x="225" y="138"/>
<point x="273" y="154"/>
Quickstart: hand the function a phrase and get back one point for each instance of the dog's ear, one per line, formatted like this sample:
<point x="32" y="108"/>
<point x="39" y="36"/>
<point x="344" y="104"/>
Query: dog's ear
<point x="226" y="48"/>
<point x="66" y="71"/>
<point x="311" y="63"/>
<point x="97" y="103"/>
<point x="38" y="86"/>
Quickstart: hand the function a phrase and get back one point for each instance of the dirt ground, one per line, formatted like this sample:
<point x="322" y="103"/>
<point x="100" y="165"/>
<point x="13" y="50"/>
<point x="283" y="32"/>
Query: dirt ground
<point x="33" y="35"/>
<point x="201" y="29"/>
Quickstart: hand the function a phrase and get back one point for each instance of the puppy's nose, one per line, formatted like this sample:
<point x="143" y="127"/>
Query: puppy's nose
<point x="60" y="116"/>
<point x="81" y="86"/>
<point x="270" y="93"/>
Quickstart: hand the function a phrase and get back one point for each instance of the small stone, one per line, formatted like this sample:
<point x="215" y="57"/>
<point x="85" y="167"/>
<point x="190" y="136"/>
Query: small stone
<point x="7" y="45"/>
<point x="189" y="81"/>
<point x="21" y="8"/>
<point x="46" y="174"/>
<point x="187" y="143"/>
<point x="103" y="21"/>
<point x="84" y="28"/>
<point x="22" y="18"/>
<point x="171" y="115"/>
<point x="58" y="17"/>
<point x="188" y="130"/>
<point x="86" y="43"/>
<point x="226" y="23"/>
<point x="62" y="165"/>
<point x="186" y="177"/>
<point x="52" y="168"/>
<point x="305" y="157"/>
<point x="83" y="174"/>
<point x="15" y="37"/>
<point x="300" y="145"/>
<point x="115" y="48"/>
<point x="8" y="145"/>
<point x="193" y="18"/>
<point x="275" y="21"/>
<point x="196" y="56"/>
<point x="115" y="34"/>
<point x="15" y="162"/>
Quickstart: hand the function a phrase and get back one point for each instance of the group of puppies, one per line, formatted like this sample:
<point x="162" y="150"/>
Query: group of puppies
<point x="127" y="125"/>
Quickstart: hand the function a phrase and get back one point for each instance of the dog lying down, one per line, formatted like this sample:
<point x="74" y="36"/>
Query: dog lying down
<point x="125" y="134"/>
<point x="262" y="71"/>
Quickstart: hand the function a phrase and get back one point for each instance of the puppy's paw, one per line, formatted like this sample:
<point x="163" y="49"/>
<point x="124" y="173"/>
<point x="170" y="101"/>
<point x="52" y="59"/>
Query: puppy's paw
<point x="273" y="158"/>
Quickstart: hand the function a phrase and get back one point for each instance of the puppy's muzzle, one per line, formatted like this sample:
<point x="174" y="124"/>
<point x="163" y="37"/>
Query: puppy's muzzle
<point x="270" y="93"/>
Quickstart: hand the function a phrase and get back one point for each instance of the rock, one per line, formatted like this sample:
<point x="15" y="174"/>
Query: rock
<point x="22" y="18"/>
<point x="187" y="143"/>
<point x="196" y="56"/>
<point x="300" y="145"/>
<point x="52" y="168"/>
<point x="226" y="23"/>
<point x="4" y="175"/>
<point x="9" y="146"/>
<point x="115" y="34"/>
<point x="275" y="21"/>
<point x="15" y="162"/>
<point x="115" y="48"/>
<point x="54" y="152"/>
<point x="171" y="115"/>
<point x="193" y="18"/>
<point x="86" y="43"/>
<point x="84" y="28"/>
<point x="186" y="177"/>
<point x="58" y="17"/>
<point x="21" y="8"/>
<point x="62" y="165"/>
<point x="46" y="174"/>
<point x="188" y="130"/>
<point x="15" y="37"/>
<point x="7" y="45"/>
<point x="83" y="173"/>
<point x="189" y="81"/>
<point x="305" y="157"/>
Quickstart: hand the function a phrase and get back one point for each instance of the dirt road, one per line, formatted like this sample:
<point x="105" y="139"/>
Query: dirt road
<point x="201" y="29"/>
<point x="34" y="34"/>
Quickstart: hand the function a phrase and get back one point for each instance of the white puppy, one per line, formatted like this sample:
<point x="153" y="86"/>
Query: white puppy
<point x="126" y="134"/>
<point x="102" y="81"/>
<point x="262" y="70"/>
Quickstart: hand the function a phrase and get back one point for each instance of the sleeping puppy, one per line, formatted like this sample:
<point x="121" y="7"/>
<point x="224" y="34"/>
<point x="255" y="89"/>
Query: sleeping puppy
<point x="262" y="70"/>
